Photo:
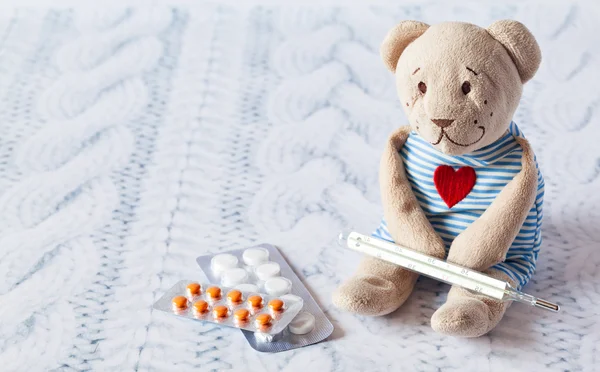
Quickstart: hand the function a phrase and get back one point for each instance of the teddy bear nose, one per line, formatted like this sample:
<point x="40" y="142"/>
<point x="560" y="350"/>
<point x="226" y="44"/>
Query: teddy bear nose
<point x="442" y="123"/>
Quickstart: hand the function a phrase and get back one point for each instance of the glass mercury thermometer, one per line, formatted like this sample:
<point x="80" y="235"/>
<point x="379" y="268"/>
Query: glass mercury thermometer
<point x="440" y="270"/>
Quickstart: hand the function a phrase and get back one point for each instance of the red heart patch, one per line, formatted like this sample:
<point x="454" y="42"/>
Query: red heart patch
<point x="453" y="186"/>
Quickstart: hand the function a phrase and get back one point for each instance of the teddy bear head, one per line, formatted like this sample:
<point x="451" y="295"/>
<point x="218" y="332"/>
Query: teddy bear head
<point x="460" y="84"/>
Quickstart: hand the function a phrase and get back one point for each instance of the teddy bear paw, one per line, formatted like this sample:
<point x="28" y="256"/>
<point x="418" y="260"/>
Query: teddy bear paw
<point x="464" y="317"/>
<point x="369" y="295"/>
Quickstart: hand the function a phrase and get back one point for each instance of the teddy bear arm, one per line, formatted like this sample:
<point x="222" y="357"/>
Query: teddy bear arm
<point x="487" y="240"/>
<point x="405" y="218"/>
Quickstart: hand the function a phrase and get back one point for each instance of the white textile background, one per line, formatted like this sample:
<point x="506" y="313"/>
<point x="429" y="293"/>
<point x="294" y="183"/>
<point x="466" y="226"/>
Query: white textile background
<point x="134" y="140"/>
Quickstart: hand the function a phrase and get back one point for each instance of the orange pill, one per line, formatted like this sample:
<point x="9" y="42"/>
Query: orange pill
<point x="241" y="315"/>
<point x="263" y="319"/>
<point x="214" y="293"/>
<point x="220" y="311"/>
<point x="234" y="296"/>
<point x="255" y="301"/>
<point x="276" y="304"/>
<point x="193" y="289"/>
<point x="201" y="306"/>
<point x="179" y="303"/>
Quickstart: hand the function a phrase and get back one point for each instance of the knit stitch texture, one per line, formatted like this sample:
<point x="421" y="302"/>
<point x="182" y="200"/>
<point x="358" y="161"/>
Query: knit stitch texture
<point x="134" y="140"/>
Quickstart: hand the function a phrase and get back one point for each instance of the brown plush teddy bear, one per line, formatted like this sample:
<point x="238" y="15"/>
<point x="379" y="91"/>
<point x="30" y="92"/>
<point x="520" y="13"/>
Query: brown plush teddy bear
<point x="461" y="182"/>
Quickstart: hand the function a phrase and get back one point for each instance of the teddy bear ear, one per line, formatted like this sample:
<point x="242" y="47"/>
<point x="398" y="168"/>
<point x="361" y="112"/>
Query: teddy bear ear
<point x="397" y="39"/>
<point x="520" y="44"/>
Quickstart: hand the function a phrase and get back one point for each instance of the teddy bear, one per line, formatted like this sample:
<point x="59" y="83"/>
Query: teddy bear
<point x="461" y="182"/>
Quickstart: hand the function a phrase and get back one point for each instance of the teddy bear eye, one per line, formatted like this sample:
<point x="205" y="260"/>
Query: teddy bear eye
<point x="466" y="87"/>
<point x="422" y="87"/>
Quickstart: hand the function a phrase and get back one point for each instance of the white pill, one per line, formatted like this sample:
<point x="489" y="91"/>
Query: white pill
<point x="247" y="287"/>
<point x="302" y="324"/>
<point x="278" y="286"/>
<point x="222" y="262"/>
<point x="290" y="298"/>
<point x="233" y="277"/>
<point x="267" y="270"/>
<point x="255" y="256"/>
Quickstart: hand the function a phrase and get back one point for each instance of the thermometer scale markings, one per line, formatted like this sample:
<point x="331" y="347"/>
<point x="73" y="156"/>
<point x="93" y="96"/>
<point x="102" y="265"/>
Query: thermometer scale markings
<point x="427" y="265"/>
<point x="422" y="258"/>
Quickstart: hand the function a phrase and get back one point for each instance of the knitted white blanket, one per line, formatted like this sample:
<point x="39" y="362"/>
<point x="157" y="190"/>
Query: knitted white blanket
<point x="132" y="141"/>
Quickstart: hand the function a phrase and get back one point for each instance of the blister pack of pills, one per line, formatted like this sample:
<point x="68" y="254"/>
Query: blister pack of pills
<point x="247" y="310"/>
<point x="262" y="269"/>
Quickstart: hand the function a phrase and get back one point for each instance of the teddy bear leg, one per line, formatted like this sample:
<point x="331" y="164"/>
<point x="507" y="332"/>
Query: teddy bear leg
<point x="467" y="314"/>
<point x="377" y="288"/>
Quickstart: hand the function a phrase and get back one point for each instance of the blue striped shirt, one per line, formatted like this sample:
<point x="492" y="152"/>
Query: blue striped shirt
<point x="495" y="165"/>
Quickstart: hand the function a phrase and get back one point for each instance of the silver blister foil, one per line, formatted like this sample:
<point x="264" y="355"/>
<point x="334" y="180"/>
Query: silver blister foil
<point x="284" y="340"/>
<point x="278" y="324"/>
